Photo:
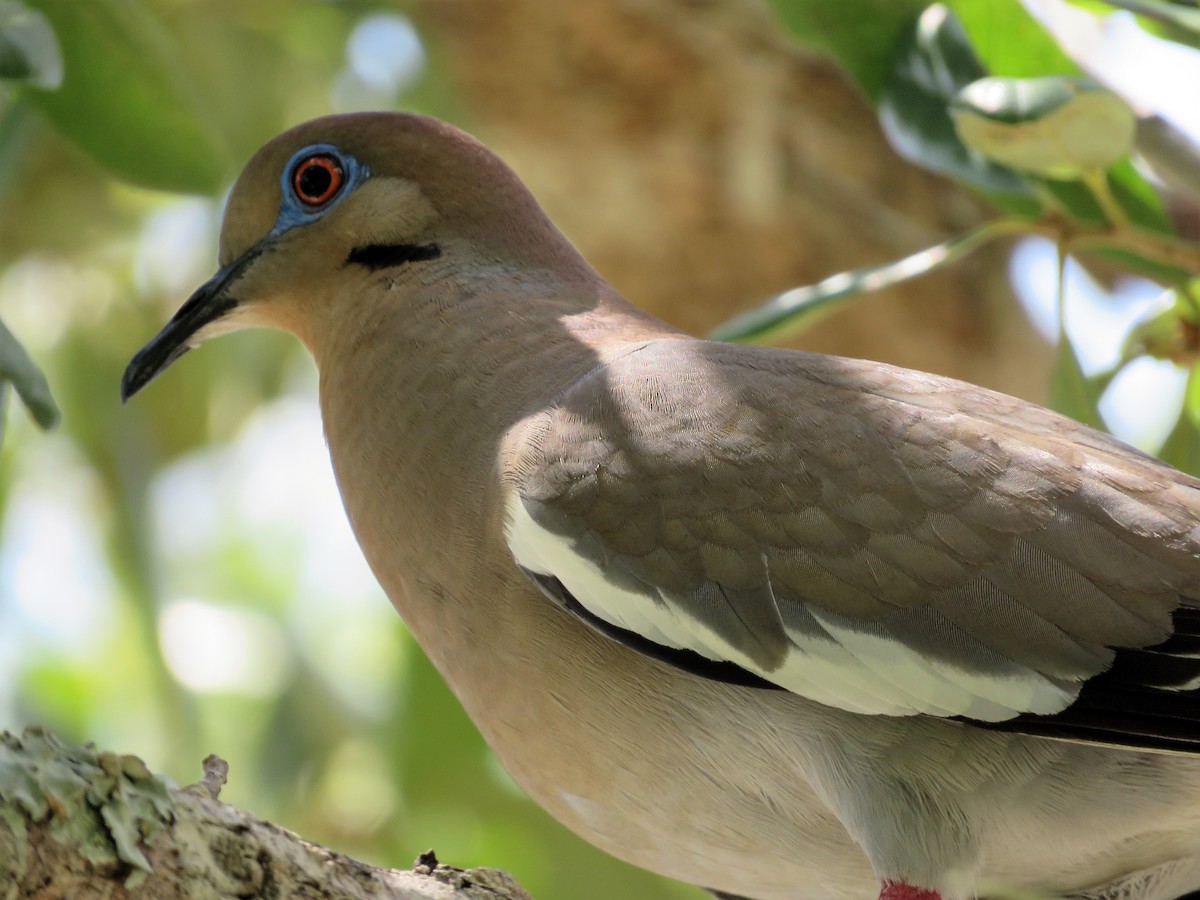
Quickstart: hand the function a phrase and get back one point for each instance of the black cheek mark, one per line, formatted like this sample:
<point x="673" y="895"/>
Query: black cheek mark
<point x="384" y="256"/>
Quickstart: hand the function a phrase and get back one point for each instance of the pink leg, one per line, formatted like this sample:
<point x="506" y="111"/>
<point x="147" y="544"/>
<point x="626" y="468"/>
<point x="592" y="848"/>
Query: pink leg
<point x="898" y="890"/>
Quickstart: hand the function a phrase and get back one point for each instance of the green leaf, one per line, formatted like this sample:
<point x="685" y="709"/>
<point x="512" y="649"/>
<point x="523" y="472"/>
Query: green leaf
<point x="1171" y="153"/>
<point x="1182" y="446"/>
<point x="1137" y="196"/>
<point x="1010" y="41"/>
<point x="799" y="308"/>
<point x="126" y="98"/>
<point x="1181" y="449"/>
<point x="1054" y="127"/>
<point x="1191" y="396"/>
<point x="14" y="64"/>
<point x="934" y="61"/>
<point x="858" y="34"/>
<point x="861" y="35"/>
<point x="28" y="50"/>
<point x="1017" y="101"/>
<point x="1176" y="15"/>
<point x="18" y="369"/>
<point x="1071" y="392"/>
<point x="1166" y="332"/>
<point x="792" y="311"/>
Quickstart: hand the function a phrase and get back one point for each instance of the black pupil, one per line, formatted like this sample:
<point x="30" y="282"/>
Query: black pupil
<point x="315" y="180"/>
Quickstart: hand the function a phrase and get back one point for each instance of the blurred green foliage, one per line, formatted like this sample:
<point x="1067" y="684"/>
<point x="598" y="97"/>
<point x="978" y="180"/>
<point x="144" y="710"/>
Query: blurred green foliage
<point x="1052" y="150"/>
<point x="120" y="69"/>
<point x="172" y="97"/>
<point x="351" y="739"/>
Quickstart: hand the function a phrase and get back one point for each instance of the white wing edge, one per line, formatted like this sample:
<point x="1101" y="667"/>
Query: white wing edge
<point x="853" y="670"/>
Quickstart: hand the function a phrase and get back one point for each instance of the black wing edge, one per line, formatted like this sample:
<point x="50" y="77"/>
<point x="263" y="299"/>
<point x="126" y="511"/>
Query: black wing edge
<point x="687" y="660"/>
<point x="1148" y="699"/>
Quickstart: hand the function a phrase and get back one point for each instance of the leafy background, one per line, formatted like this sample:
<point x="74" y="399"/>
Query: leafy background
<point x="176" y="576"/>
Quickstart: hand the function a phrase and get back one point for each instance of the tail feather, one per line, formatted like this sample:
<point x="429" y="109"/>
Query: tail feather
<point x="1148" y="699"/>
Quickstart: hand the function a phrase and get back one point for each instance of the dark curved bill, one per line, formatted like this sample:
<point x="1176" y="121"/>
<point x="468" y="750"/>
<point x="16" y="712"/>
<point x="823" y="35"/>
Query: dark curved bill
<point x="209" y="303"/>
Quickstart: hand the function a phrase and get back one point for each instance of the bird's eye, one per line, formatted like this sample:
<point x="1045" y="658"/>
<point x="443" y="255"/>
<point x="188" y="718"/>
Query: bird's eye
<point x="317" y="179"/>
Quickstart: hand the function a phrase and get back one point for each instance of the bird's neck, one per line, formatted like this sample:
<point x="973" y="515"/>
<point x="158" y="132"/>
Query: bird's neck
<point x="418" y="390"/>
<point x="462" y="357"/>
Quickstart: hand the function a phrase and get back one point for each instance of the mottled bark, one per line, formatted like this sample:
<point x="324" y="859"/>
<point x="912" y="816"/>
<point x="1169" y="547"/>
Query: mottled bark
<point x="704" y="161"/>
<point x="82" y="824"/>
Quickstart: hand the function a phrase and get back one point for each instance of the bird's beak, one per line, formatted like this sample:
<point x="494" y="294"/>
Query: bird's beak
<point x="212" y="301"/>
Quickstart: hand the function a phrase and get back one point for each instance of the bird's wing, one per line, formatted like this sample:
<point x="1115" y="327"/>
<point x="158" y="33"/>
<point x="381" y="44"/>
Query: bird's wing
<point x="877" y="539"/>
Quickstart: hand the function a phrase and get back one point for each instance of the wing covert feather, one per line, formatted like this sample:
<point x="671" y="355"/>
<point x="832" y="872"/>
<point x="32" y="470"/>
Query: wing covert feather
<point x="769" y="506"/>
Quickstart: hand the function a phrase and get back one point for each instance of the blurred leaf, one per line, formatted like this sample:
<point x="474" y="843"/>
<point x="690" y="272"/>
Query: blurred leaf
<point x="262" y="67"/>
<point x="1071" y="392"/>
<point x="1017" y="101"/>
<point x="1142" y="205"/>
<point x="1191" y="396"/>
<point x="859" y="34"/>
<point x="793" y="311"/>
<point x="127" y="100"/>
<point x="1167" y="332"/>
<point x="1181" y="449"/>
<point x="1182" y="446"/>
<point x="1142" y="248"/>
<point x="799" y="308"/>
<point x="1055" y="127"/>
<point x="1137" y="196"/>
<point x="1171" y="153"/>
<point x="18" y="369"/>
<point x="1137" y="263"/>
<point x="934" y="61"/>
<point x="1178" y="15"/>
<point x="14" y="64"/>
<point x="1099" y="42"/>
<point x="1010" y="41"/>
<point x="28" y="49"/>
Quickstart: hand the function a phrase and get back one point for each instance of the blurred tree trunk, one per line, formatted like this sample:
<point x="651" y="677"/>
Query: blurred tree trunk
<point x="703" y="161"/>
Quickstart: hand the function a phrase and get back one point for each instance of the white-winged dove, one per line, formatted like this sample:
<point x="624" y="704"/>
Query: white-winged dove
<point x="778" y="624"/>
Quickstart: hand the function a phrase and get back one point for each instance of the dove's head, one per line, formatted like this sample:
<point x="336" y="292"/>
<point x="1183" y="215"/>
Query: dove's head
<point x="346" y="205"/>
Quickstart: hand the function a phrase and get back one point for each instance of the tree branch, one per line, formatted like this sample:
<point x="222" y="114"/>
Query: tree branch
<point x="81" y="823"/>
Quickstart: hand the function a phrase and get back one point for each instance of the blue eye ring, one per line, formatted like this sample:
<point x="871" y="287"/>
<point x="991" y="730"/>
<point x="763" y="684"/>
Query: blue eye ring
<point x="305" y="203"/>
